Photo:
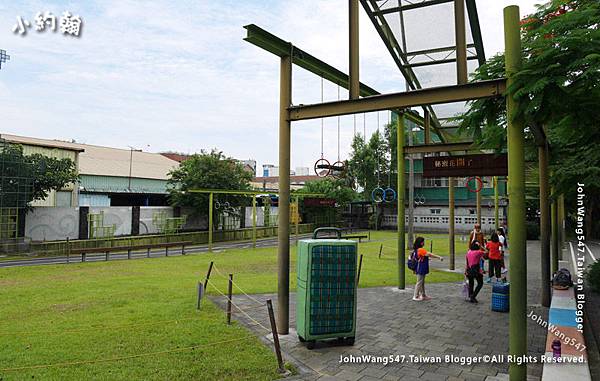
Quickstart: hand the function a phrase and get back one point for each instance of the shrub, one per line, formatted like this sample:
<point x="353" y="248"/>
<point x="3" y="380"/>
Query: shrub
<point x="593" y="276"/>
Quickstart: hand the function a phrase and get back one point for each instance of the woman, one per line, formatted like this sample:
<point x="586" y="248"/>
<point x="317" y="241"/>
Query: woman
<point x="422" y="268"/>
<point x="473" y="271"/>
<point x="494" y="247"/>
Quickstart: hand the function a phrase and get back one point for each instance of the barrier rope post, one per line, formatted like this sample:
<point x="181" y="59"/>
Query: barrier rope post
<point x="281" y="368"/>
<point x="68" y="251"/>
<point x="359" y="268"/>
<point x="380" y="250"/>
<point x="208" y="274"/>
<point x="229" y="295"/>
<point x="200" y="294"/>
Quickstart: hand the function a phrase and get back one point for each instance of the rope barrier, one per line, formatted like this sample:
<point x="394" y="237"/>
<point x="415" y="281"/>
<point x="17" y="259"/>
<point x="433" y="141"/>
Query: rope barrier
<point x="238" y="307"/>
<point x="93" y="328"/>
<point x="85" y="362"/>
<point x="238" y="287"/>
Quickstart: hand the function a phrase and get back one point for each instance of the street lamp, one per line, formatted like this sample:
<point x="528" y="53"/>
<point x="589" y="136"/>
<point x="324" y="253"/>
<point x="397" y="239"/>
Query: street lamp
<point x="3" y="57"/>
<point x="131" y="149"/>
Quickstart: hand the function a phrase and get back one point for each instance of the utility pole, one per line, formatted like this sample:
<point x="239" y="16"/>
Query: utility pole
<point x="131" y="149"/>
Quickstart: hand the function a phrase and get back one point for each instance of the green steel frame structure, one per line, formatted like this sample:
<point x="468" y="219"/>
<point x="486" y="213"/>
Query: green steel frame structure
<point x="212" y="192"/>
<point x="417" y="97"/>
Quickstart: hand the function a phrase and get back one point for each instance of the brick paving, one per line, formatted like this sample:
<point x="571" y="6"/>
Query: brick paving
<point x="390" y="323"/>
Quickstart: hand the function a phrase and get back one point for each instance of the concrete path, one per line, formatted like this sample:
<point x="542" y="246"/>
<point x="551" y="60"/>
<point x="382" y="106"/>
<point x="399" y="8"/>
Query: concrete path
<point x="390" y="323"/>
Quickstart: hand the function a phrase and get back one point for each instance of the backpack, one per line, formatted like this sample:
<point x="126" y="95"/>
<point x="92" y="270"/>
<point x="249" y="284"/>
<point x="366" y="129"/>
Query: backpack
<point x="562" y="279"/>
<point x="413" y="261"/>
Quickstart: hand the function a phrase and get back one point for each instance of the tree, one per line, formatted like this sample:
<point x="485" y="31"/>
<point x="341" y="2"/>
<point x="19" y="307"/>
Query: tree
<point x="369" y="163"/>
<point x="207" y="170"/>
<point x="558" y="88"/>
<point x="26" y="178"/>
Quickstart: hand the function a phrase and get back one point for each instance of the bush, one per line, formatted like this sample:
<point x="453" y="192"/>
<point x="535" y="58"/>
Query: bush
<point x="593" y="276"/>
<point x="533" y="230"/>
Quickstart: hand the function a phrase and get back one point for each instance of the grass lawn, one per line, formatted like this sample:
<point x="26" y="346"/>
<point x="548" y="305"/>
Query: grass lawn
<point x="90" y="311"/>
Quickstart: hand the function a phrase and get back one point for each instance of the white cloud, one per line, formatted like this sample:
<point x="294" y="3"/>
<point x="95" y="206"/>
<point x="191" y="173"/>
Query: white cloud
<point x="178" y="76"/>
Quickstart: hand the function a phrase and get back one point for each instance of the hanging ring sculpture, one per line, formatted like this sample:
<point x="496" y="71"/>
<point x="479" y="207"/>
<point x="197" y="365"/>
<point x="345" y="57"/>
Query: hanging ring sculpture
<point x="217" y="204"/>
<point x="378" y="195"/>
<point x="479" y="184"/>
<point x="322" y="164"/>
<point x="389" y="195"/>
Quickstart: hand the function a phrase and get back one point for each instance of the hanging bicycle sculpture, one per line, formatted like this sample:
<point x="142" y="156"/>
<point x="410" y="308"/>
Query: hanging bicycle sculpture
<point x="478" y="187"/>
<point x="323" y="167"/>
<point x="379" y="194"/>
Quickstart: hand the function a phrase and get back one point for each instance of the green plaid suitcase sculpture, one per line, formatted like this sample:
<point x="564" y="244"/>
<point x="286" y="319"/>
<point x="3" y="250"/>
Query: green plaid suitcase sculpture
<point x="326" y="290"/>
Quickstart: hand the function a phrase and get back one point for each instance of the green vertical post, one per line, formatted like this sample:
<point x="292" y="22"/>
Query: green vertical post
<point x="400" y="199"/>
<point x="554" y="232"/>
<point x="496" y="203"/>
<point x="516" y="206"/>
<point x="210" y="221"/>
<point x="544" y="224"/>
<point x="254" y="221"/>
<point x="297" y="218"/>
<point x="451" y="222"/>
<point x="283" y="227"/>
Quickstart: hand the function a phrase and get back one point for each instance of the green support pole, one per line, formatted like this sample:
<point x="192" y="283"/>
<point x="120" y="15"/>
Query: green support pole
<point x="544" y="224"/>
<point x="210" y="221"/>
<point x="516" y="206"/>
<point x="555" y="242"/>
<point x="400" y="199"/>
<point x="297" y="217"/>
<point x="496" y="211"/>
<point x="254" y="222"/>
<point x="451" y="221"/>
<point x="283" y="227"/>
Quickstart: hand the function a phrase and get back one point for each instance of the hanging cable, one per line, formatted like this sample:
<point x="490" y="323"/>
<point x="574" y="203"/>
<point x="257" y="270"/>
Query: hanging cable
<point x="338" y="126"/>
<point x="365" y="126"/>
<point x="322" y="166"/>
<point x="321" y="118"/>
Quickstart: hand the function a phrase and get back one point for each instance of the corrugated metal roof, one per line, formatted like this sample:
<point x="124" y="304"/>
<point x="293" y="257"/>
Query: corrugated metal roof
<point x="108" y="161"/>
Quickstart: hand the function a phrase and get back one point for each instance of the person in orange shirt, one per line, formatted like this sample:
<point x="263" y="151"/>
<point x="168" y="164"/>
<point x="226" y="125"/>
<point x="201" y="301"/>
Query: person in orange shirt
<point x="494" y="249"/>
<point x="422" y="268"/>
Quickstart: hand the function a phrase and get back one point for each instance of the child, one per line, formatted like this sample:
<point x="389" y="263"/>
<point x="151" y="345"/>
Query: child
<point x="477" y="235"/>
<point x="494" y="247"/>
<point x="473" y="271"/>
<point x="422" y="268"/>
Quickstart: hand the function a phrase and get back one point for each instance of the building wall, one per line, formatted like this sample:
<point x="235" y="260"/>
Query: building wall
<point x="56" y="153"/>
<point x="114" y="184"/>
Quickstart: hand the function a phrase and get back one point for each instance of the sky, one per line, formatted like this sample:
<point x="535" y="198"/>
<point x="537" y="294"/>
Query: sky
<point x="177" y="76"/>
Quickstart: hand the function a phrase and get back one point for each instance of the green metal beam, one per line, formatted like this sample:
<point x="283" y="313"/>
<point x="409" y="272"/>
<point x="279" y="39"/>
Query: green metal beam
<point x="448" y="147"/>
<point x="252" y="192"/>
<point x="475" y="30"/>
<point x="273" y="44"/>
<point x="421" y="97"/>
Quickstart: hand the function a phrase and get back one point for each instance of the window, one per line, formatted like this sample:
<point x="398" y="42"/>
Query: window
<point x="435" y="211"/>
<point x="471" y="211"/>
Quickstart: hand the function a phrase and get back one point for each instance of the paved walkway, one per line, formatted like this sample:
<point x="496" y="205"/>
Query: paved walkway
<point x="390" y="323"/>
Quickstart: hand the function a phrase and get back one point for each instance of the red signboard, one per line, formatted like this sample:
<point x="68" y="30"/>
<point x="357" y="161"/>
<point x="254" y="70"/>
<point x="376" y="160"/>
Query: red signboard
<point x="466" y="165"/>
<point x="319" y="201"/>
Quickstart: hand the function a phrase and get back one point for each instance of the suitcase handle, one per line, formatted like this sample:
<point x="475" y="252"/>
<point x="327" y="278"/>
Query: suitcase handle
<point x="337" y="231"/>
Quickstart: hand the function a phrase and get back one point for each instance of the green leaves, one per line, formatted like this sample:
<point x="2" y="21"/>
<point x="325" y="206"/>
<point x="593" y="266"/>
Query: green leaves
<point x="24" y="179"/>
<point x="207" y="170"/>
